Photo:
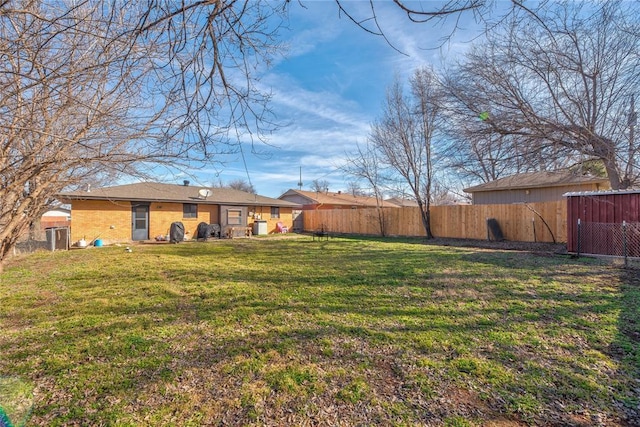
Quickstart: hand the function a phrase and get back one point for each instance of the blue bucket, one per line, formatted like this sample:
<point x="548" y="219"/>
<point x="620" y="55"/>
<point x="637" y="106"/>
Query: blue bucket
<point x="97" y="243"/>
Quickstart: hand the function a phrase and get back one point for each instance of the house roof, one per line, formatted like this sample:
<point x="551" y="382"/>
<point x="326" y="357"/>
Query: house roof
<point x="536" y="180"/>
<point x="602" y="192"/>
<point x="339" y="198"/>
<point x="398" y="201"/>
<point x="57" y="212"/>
<point x="158" y="192"/>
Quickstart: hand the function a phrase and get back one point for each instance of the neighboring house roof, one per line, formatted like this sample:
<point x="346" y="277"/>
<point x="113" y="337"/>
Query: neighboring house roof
<point x="402" y="202"/>
<point x="329" y="198"/>
<point x="157" y="192"/>
<point x="57" y="212"/>
<point x="536" y="180"/>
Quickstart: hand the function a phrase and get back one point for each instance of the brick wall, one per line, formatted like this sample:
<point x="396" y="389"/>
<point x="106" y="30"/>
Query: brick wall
<point x="54" y="221"/>
<point x="161" y="215"/>
<point x="111" y="220"/>
<point x="286" y="217"/>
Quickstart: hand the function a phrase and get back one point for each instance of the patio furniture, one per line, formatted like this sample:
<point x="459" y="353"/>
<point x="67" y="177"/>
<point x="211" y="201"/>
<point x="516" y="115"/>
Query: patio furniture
<point x="205" y="231"/>
<point x="321" y="232"/>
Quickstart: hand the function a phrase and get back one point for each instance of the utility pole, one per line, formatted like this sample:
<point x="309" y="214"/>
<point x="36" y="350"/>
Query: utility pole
<point x="300" y="180"/>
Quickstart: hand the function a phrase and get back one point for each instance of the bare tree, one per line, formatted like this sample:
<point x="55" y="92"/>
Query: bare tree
<point x="365" y="165"/>
<point x="212" y="54"/>
<point x="475" y="152"/>
<point x="561" y="85"/>
<point x="487" y="12"/>
<point x="90" y="90"/>
<point x="354" y="187"/>
<point x="320" y="185"/>
<point x="405" y="132"/>
<point x="242" y="185"/>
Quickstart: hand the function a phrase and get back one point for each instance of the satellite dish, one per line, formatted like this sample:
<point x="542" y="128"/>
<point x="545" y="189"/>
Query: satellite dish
<point x="204" y="193"/>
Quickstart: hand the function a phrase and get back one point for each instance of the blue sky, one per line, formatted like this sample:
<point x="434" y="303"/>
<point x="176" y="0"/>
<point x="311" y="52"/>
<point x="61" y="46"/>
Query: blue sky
<point x="328" y="88"/>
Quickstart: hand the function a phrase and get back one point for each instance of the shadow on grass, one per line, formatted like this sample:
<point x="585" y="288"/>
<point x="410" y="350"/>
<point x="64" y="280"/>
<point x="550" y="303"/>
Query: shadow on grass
<point x="626" y="347"/>
<point x="294" y="322"/>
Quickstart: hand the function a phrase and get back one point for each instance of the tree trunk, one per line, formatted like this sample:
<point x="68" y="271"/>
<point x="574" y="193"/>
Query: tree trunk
<point x="425" y="215"/>
<point x="614" y="176"/>
<point x="382" y="222"/>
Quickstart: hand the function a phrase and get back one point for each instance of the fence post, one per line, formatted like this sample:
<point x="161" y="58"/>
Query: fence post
<point x="579" y="237"/>
<point x="624" y="241"/>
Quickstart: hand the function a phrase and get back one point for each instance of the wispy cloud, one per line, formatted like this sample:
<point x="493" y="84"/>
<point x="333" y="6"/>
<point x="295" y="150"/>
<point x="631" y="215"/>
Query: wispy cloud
<point x="329" y="87"/>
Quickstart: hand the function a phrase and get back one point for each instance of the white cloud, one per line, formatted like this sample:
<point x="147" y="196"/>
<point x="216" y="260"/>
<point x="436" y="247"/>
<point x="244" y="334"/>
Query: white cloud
<point x="324" y="105"/>
<point x="329" y="87"/>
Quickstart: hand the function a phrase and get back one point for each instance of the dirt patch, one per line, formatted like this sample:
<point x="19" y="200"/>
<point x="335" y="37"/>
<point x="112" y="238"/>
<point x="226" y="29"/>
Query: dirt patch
<point x="505" y="245"/>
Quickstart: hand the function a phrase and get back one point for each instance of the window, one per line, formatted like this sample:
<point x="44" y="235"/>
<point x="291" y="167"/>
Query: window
<point x="275" y="212"/>
<point x="234" y="217"/>
<point x="189" y="210"/>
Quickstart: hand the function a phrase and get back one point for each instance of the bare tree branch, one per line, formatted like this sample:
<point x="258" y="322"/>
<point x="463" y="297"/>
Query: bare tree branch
<point x="404" y="135"/>
<point x="559" y="84"/>
<point x="89" y="90"/>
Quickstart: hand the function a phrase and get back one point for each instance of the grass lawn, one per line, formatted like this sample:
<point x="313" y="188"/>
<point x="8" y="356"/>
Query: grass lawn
<point x="296" y="332"/>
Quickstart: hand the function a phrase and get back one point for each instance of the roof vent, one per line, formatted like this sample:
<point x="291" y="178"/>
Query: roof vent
<point x="185" y="183"/>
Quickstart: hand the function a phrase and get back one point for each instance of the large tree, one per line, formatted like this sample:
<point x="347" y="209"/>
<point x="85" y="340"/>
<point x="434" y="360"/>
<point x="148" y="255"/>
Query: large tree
<point x="559" y="86"/>
<point x="404" y="135"/>
<point x="97" y="88"/>
<point x="367" y="15"/>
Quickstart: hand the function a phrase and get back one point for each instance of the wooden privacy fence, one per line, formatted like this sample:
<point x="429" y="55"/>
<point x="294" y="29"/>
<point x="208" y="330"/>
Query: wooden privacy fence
<point x="534" y="222"/>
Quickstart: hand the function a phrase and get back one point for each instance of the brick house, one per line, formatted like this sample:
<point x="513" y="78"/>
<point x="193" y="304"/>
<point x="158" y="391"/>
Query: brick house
<point x="55" y="217"/>
<point x="142" y="211"/>
<point x="324" y="200"/>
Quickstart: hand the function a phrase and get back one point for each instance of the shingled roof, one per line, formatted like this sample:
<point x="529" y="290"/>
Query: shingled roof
<point x="339" y="198"/>
<point x="536" y="180"/>
<point x="158" y="192"/>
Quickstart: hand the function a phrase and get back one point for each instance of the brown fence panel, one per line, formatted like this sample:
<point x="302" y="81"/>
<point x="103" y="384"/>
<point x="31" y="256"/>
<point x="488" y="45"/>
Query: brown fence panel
<point x="535" y="222"/>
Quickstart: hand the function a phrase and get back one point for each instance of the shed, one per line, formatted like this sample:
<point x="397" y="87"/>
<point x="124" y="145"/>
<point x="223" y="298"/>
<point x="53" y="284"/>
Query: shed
<point x="534" y="187"/>
<point x="595" y="222"/>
